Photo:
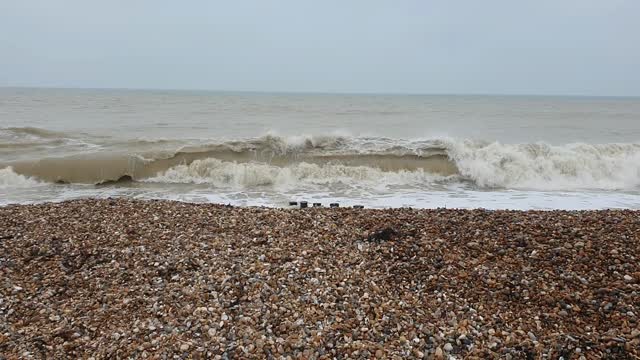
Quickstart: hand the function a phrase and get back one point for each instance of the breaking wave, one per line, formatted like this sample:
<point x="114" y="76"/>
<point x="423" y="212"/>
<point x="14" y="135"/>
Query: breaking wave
<point x="10" y="179"/>
<point x="545" y="167"/>
<point x="29" y="131"/>
<point x="274" y="160"/>
<point x="223" y="174"/>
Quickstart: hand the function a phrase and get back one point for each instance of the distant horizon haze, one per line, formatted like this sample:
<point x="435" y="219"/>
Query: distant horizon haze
<point x="310" y="92"/>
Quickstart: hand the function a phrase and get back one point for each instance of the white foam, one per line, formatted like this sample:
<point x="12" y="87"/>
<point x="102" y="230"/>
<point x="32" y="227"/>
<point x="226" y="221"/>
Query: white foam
<point x="536" y="166"/>
<point x="10" y="179"/>
<point x="245" y="175"/>
<point x="542" y="166"/>
<point x="532" y="166"/>
<point x="461" y="199"/>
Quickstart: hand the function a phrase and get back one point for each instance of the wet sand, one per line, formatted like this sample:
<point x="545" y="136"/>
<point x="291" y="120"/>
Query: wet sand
<point x="153" y="279"/>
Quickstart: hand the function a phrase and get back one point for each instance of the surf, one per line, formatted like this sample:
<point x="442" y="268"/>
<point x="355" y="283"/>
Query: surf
<point x="270" y="160"/>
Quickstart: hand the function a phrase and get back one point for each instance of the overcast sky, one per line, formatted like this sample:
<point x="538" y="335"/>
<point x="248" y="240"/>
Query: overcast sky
<point x="589" y="47"/>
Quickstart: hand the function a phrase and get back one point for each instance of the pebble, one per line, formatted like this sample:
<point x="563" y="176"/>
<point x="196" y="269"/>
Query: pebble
<point x="106" y="280"/>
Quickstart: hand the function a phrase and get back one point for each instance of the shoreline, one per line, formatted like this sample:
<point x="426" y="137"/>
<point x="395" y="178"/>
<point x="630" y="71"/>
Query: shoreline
<point x="119" y="278"/>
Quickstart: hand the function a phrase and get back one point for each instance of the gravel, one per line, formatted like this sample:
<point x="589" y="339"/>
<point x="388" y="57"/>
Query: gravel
<point x="120" y="278"/>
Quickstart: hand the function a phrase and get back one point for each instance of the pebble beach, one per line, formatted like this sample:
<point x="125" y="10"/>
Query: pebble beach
<point x="120" y="278"/>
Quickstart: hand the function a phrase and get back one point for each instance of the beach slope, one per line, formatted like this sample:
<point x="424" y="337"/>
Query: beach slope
<point x="119" y="278"/>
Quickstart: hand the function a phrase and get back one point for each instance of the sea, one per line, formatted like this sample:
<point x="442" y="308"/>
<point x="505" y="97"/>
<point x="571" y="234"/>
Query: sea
<point x="269" y="149"/>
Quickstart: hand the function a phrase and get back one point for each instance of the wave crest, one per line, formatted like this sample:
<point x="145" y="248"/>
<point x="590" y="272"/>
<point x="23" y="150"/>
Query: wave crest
<point x="273" y="160"/>
<point x="224" y="174"/>
<point x="29" y="131"/>
<point x="11" y="179"/>
<point x="542" y="166"/>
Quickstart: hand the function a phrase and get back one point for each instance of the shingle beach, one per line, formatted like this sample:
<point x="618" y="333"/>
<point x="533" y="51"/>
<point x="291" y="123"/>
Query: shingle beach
<point x="119" y="278"/>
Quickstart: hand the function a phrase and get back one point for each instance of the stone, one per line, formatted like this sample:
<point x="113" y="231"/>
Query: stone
<point x="107" y="279"/>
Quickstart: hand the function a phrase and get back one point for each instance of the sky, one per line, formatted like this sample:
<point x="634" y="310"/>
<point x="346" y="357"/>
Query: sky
<point x="579" y="47"/>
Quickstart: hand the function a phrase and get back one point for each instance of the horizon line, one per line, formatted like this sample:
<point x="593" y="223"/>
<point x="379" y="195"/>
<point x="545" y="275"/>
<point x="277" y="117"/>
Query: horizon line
<point x="308" y="92"/>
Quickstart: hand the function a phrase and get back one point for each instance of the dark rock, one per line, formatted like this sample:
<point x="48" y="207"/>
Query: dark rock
<point x="385" y="234"/>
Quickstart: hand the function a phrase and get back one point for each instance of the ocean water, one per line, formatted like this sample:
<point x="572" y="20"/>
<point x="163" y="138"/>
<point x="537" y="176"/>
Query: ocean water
<point x="516" y="152"/>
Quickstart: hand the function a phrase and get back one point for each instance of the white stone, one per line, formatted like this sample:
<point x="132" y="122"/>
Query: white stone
<point x="448" y="347"/>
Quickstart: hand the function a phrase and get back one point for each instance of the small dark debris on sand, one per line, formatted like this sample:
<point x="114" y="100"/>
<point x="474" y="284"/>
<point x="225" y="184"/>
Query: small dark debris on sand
<point x="385" y="234"/>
